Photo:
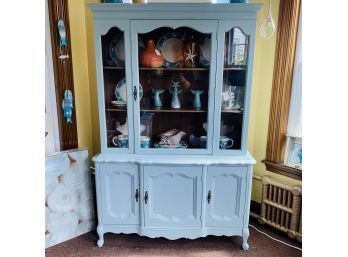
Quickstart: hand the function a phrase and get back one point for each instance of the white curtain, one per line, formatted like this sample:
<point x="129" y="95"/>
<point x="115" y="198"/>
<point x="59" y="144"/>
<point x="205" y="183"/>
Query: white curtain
<point x="295" y="113"/>
<point x="51" y="119"/>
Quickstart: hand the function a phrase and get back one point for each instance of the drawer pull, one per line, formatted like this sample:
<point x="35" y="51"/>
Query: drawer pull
<point x="136" y="195"/>
<point x="146" y="198"/>
<point x="209" y="197"/>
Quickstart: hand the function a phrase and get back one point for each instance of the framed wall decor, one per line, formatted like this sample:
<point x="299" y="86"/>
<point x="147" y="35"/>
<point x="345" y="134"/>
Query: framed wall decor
<point x="293" y="152"/>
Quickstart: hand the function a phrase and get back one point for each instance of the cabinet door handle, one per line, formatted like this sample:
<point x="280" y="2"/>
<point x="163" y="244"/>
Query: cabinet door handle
<point x="135" y="93"/>
<point x="146" y="198"/>
<point x="136" y="195"/>
<point x="209" y="197"/>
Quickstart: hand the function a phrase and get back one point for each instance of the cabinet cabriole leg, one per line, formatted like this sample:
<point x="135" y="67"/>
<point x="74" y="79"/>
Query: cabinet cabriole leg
<point x="245" y="245"/>
<point x="100" y="232"/>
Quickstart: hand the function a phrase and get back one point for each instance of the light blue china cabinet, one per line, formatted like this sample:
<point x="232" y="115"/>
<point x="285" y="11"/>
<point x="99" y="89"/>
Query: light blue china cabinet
<point x="174" y="83"/>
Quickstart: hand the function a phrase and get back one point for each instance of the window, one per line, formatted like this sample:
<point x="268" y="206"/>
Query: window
<point x="283" y="119"/>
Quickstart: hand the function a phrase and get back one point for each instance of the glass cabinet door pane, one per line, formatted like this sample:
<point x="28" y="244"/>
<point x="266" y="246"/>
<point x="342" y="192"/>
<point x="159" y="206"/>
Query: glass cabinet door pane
<point x="233" y="89"/>
<point x="115" y="88"/>
<point x="174" y="67"/>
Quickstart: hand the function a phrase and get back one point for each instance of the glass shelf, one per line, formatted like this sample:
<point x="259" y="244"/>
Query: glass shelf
<point x="173" y="69"/>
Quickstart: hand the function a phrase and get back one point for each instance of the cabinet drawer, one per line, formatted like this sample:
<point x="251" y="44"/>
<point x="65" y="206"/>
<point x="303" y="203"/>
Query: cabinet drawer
<point x="174" y="195"/>
<point x="119" y="184"/>
<point x="226" y="190"/>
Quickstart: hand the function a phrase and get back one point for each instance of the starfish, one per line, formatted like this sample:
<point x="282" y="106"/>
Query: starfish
<point x="175" y="84"/>
<point x="190" y="56"/>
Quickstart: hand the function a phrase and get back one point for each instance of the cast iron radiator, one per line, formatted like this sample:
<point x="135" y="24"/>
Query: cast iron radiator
<point x="281" y="207"/>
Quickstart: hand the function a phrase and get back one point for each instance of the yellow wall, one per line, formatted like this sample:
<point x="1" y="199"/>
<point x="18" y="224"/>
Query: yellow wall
<point x="260" y="101"/>
<point x="81" y="27"/>
<point x="82" y="43"/>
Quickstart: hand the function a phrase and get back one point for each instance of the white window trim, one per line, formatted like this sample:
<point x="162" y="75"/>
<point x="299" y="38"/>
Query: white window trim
<point x="295" y="111"/>
<point x="52" y="143"/>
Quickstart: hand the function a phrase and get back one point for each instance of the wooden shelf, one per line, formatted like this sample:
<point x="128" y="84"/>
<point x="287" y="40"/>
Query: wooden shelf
<point x="232" y="111"/>
<point x="182" y="110"/>
<point x="175" y="69"/>
<point x="113" y="68"/>
<point x="234" y="68"/>
<point x="112" y="109"/>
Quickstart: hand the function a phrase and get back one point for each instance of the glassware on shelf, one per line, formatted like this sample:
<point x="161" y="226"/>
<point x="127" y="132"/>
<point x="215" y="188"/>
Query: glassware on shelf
<point x="156" y="97"/>
<point x="197" y="98"/>
<point x="175" y="91"/>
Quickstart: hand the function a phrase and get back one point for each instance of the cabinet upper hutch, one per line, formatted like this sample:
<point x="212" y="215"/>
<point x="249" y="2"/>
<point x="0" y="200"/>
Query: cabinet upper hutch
<point x="174" y="84"/>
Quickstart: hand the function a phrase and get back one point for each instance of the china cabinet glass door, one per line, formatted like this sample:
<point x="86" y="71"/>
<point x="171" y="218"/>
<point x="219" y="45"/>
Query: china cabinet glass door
<point x="115" y="86"/>
<point x="233" y="89"/>
<point x="174" y="71"/>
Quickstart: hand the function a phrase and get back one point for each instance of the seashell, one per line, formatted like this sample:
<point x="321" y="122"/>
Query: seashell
<point x="51" y="183"/>
<point x="62" y="199"/>
<point x="76" y="178"/>
<point x="86" y="194"/>
<point x="84" y="209"/>
<point x="169" y="133"/>
<point x="175" y="140"/>
<point x="123" y="129"/>
<point x="56" y="165"/>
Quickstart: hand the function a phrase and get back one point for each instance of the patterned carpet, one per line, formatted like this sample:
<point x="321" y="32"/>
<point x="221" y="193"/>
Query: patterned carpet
<point x="136" y="246"/>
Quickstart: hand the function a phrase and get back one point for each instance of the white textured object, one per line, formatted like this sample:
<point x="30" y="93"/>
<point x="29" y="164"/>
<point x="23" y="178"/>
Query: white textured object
<point x="123" y="128"/>
<point x="65" y="227"/>
<point x="69" y="208"/>
<point x="56" y="165"/>
<point x="84" y="210"/>
<point x="84" y="227"/>
<point x="51" y="183"/>
<point x="62" y="199"/>
<point x="47" y="240"/>
<point x="47" y="211"/>
<point x="53" y="221"/>
<point x="86" y="194"/>
<point x="75" y="177"/>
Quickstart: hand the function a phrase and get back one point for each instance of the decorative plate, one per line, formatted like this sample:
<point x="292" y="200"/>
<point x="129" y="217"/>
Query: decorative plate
<point x="181" y="145"/>
<point x="170" y="46"/>
<point x="117" y="50"/>
<point x="119" y="104"/>
<point x="121" y="91"/>
<point x="205" y="51"/>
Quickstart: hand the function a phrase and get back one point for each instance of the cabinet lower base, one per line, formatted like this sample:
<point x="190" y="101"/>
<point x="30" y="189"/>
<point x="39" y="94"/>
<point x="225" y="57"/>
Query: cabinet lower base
<point x="173" y="234"/>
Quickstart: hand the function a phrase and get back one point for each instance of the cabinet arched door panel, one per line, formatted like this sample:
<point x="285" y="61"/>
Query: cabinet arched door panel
<point x="172" y="196"/>
<point x="120" y="193"/>
<point x="225" y="196"/>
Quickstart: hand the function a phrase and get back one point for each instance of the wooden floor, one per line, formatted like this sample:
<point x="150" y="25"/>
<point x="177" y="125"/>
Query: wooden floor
<point x="137" y="246"/>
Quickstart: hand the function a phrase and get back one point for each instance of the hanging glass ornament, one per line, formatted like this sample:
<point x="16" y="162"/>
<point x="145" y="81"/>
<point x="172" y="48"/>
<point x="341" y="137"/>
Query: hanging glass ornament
<point x="268" y="28"/>
<point x="67" y="105"/>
